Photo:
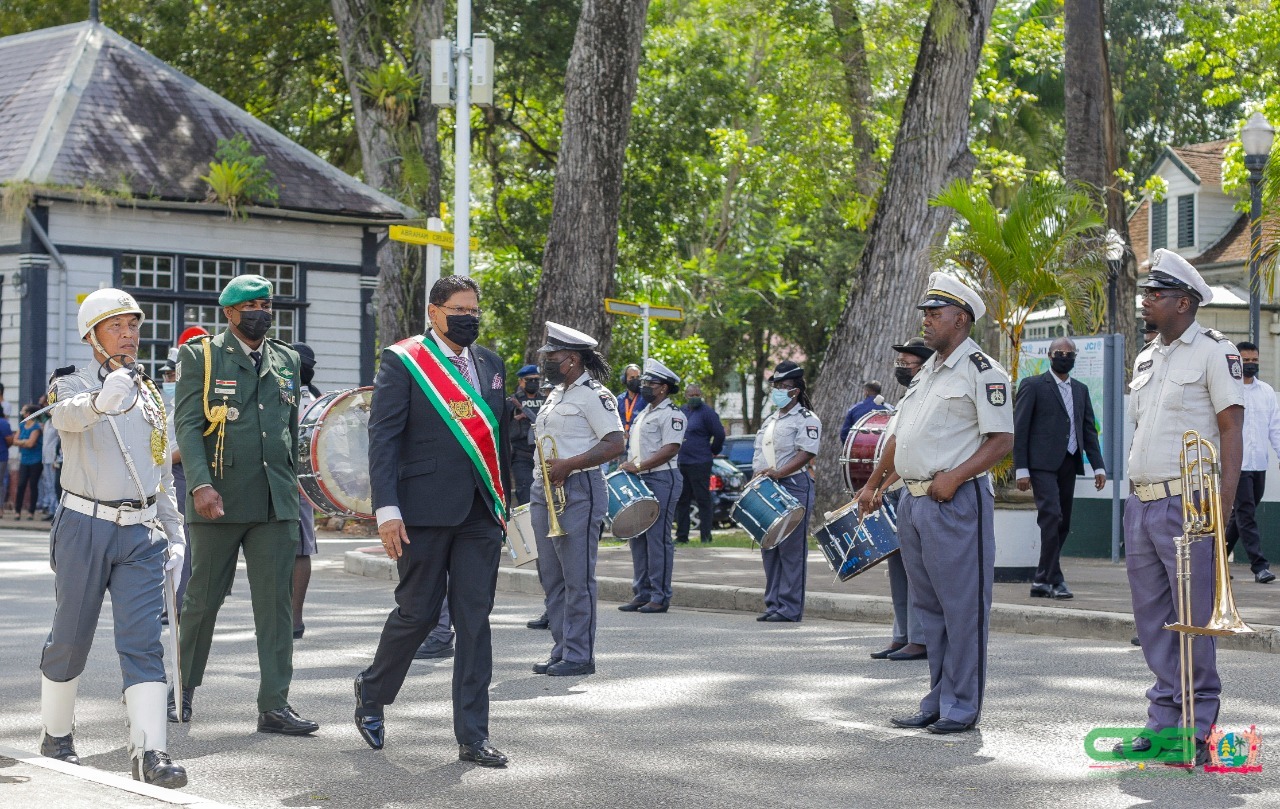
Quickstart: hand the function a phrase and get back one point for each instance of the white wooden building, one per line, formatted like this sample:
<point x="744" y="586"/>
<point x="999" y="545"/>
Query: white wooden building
<point x="102" y="154"/>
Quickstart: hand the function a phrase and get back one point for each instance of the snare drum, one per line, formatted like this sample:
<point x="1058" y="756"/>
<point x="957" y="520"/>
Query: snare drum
<point x="850" y="548"/>
<point x="632" y="507"/>
<point x="521" y="543"/>
<point x="767" y="512"/>
<point x="333" y="438"/>
<point x="862" y="448"/>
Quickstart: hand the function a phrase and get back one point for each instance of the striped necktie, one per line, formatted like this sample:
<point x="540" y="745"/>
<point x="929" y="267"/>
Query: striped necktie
<point x="460" y="363"/>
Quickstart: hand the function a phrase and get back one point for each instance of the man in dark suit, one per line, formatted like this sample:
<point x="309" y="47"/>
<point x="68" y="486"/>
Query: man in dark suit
<point x="1053" y="422"/>
<point x="438" y="458"/>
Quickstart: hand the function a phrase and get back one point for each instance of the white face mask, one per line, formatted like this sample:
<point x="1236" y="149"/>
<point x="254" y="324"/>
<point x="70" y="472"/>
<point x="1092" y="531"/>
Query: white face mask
<point x="780" y="397"/>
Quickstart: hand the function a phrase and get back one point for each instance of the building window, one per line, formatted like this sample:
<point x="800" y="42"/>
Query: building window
<point x="146" y="272"/>
<point x="156" y="335"/>
<point x="206" y="274"/>
<point x="1159" y="224"/>
<point x="283" y="277"/>
<point x="1187" y="220"/>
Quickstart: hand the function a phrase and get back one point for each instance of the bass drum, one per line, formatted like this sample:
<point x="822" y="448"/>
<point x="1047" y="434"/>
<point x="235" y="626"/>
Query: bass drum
<point x="862" y="449"/>
<point x="334" y="454"/>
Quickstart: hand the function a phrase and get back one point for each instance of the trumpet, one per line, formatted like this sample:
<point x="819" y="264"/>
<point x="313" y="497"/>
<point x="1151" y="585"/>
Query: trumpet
<point x="1202" y="518"/>
<point x="555" y="494"/>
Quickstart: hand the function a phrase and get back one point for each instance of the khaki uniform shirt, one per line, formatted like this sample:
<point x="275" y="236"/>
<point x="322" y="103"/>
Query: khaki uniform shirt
<point x="93" y="466"/>
<point x="653" y="429"/>
<point x="1179" y="387"/>
<point x="947" y="410"/>
<point x="578" y="417"/>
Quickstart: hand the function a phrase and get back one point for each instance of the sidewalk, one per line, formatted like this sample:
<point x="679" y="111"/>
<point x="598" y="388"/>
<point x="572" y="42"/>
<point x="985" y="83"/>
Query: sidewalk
<point x="31" y="780"/>
<point x="732" y="579"/>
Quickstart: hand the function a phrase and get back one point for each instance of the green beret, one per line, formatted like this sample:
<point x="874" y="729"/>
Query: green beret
<point x="245" y="288"/>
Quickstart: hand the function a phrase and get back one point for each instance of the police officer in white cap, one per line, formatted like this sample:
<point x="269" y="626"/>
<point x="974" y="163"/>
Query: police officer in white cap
<point x="577" y="431"/>
<point x="652" y="448"/>
<point x="1188" y="378"/>
<point x="118" y="530"/>
<point x="785" y="444"/>
<point x="954" y="423"/>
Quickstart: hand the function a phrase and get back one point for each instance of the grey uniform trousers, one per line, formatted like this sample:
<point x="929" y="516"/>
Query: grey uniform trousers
<point x="906" y="623"/>
<point x="567" y="564"/>
<point x="1151" y="561"/>
<point x="949" y="550"/>
<point x="785" y="564"/>
<point x="653" y="553"/>
<point x="89" y="557"/>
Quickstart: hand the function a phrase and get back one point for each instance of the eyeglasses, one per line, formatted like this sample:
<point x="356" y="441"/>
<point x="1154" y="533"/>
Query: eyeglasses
<point x="461" y="310"/>
<point x="1159" y="294"/>
<point x="1062" y="354"/>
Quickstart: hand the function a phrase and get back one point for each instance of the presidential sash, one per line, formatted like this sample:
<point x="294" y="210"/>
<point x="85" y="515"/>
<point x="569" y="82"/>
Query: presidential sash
<point x="461" y="408"/>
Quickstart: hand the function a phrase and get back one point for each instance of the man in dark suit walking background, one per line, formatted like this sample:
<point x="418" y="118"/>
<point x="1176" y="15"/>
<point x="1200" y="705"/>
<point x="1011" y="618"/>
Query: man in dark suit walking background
<point x="438" y="459"/>
<point x="1053" y="424"/>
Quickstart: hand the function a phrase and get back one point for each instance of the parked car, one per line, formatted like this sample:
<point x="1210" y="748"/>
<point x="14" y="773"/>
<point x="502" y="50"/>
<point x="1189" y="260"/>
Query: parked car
<point x="738" y="450"/>
<point x="726" y="487"/>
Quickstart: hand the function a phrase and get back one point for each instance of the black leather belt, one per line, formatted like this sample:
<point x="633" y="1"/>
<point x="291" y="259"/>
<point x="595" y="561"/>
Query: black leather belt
<point x="134" y="504"/>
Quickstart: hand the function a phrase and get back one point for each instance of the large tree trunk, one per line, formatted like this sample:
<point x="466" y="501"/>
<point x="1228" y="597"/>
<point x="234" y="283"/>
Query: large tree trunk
<point x="931" y="150"/>
<point x="857" y="79"/>
<point x="582" y="242"/>
<point x="385" y="145"/>
<point x="1092" y="156"/>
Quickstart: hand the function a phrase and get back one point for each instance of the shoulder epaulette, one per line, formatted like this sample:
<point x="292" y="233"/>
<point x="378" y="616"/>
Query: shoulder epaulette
<point x="594" y="384"/>
<point x="1217" y="335"/>
<point x="982" y="361"/>
<point x="804" y="411"/>
<point x="70" y="369"/>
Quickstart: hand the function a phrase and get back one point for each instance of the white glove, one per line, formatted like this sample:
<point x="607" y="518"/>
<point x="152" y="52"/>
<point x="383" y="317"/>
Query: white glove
<point x="118" y="387"/>
<point x="177" y="551"/>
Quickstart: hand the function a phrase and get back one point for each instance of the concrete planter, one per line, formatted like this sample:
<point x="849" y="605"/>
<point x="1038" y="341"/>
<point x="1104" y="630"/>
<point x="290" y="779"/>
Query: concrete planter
<point x="1017" y="543"/>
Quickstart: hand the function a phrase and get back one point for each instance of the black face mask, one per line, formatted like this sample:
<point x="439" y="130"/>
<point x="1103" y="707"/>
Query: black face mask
<point x="1062" y="365"/>
<point x="695" y="402"/>
<point x="307" y="373"/>
<point x="1250" y="369"/>
<point x="462" y="329"/>
<point x="646" y="393"/>
<point x="531" y="386"/>
<point x="904" y="376"/>
<point x="254" y="324"/>
<point x="633" y="384"/>
<point x="551" y="371"/>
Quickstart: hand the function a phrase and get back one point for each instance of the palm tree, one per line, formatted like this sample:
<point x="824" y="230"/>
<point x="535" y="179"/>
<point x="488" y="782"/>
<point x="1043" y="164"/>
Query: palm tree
<point x="1047" y="246"/>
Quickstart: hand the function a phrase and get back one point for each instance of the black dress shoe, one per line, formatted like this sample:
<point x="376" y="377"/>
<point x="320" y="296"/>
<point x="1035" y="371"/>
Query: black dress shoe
<point x="1135" y="640"/>
<point x="369" y="719"/>
<point x="566" y="668"/>
<point x="541" y="668"/>
<point x="1061" y="592"/>
<point x="60" y="747"/>
<point x="482" y="753"/>
<point x="633" y="605"/>
<point x="920" y="720"/>
<point x="901" y="655"/>
<point x="1139" y="745"/>
<point x="653" y="606"/>
<point x="764" y="616"/>
<point x="155" y="767"/>
<point x="950" y="726"/>
<point x="778" y="618"/>
<point x="434" y="650"/>
<point x="188" y="694"/>
<point x="286" y="721"/>
<point x="883" y="654"/>
<point x="1042" y="590"/>
<point x="542" y="622"/>
<point x="298" y="632"/>
<point x="1264" y="576"/>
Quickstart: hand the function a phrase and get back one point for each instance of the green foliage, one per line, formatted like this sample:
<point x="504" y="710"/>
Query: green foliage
<point x="1044" y="247"/>
<point x="237" y="177"/>
<point x="393" y="88"/>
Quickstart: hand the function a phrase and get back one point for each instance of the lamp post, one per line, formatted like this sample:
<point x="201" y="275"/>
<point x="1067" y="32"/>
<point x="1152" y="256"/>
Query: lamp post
<point x="1257" y="137"/>
<point x="1115" y="259"/>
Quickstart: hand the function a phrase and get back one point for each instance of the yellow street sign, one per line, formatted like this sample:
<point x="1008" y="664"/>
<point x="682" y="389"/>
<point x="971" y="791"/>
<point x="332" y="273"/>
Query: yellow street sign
<point x="632" y="309"/>
<point x="412" y="235"/>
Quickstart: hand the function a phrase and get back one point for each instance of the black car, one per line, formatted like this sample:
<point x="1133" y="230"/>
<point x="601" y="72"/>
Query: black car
<point x="726" y="488"/>
<point x="738" y="450"/>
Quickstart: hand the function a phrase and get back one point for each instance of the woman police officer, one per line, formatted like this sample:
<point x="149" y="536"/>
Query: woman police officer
<point x="577" y="431"/>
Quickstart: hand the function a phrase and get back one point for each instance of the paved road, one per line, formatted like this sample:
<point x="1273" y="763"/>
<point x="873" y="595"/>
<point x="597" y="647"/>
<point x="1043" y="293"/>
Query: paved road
<point x="689" y="709"/>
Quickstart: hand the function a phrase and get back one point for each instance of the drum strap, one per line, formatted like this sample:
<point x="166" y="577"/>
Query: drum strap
<point x="770" y="454"/>
<point x="633" y="439"/>
<point x="467" y="416"/>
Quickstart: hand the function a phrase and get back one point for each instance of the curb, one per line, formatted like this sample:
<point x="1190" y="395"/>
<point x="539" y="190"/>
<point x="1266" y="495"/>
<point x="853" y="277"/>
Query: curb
<point x="112" y="780"/>
<point x="1024" y="620"/>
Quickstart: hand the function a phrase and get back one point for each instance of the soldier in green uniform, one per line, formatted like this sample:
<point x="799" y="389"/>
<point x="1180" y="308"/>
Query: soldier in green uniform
<point x="236" y="419"/>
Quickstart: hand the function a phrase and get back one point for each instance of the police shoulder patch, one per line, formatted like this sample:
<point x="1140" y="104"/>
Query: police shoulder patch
<point x="811" y="431"/>
<point x="677" y="425"/>
<point x="997" y="394"/>
<point x="1145" y="365"/>
<point x="607" y="399"/>
<point x="1217" y="335"/>
<point x="1234" y="366"/>
<point x="982" y="361"/>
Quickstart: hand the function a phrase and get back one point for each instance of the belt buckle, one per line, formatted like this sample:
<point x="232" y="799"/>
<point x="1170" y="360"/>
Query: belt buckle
<point x="122" y="509"/>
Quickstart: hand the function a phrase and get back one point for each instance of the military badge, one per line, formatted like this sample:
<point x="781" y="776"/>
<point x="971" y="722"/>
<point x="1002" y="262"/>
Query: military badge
<point x="53" y="395"/>
<point x="463" y="409"/>
<point x="233" y="413"/>
<point x="1233" y="364"/>
<point x="996" y="394"/>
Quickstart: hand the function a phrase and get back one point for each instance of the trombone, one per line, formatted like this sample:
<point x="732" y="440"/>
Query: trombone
<point x="555" y="494"/>
<point x="1202" y="518"/>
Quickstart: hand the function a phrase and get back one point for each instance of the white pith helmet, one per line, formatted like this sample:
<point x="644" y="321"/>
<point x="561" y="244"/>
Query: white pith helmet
<point x="102" y="304"/>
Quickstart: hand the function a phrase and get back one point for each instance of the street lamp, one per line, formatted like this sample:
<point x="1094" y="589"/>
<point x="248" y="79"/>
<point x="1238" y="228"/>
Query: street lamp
<point x="1115" y="259"/>
<point x="1257" y="138"/>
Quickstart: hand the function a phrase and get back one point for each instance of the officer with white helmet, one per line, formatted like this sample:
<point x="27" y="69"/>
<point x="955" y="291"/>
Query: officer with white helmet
<point x="118" y="507"/>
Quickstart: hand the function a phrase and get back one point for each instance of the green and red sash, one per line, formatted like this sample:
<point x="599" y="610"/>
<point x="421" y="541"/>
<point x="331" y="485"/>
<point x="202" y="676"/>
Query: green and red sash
<point x="460" y="406"/>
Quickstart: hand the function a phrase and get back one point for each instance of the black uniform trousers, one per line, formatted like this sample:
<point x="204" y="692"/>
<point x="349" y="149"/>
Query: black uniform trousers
<point x="1055" y="492"/>
<point x="465" y="557"/>
<point x="697" y="489"/>
<point x="1244" y="520"/>
<point x="522" y="471"/>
